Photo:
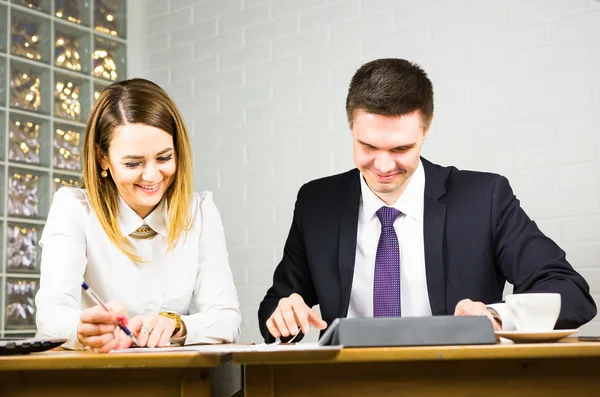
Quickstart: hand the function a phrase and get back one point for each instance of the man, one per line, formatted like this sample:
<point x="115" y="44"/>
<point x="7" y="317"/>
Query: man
<point x="400" y="236"/>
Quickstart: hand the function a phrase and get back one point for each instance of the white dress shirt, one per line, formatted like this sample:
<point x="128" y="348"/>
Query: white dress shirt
<point x="409" y="229"/>
<point x="194" y="279"/>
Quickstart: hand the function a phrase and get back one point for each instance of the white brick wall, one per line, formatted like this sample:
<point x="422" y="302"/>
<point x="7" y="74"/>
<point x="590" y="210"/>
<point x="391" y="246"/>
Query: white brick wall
<point x="262" y="85"/>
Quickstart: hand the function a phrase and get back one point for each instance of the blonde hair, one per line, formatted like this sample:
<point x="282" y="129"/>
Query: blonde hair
<point x="130" y="102"/>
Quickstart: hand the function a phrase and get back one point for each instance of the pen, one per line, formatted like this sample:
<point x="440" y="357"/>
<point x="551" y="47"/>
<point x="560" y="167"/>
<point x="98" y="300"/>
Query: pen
<point x="98" y="301"/>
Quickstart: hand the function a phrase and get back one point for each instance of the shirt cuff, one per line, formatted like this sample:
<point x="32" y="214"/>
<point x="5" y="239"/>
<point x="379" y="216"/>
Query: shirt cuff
<point x="212" y="327"/>
<point x="69" y="332"/>
<point x="179" y="341"/>
<point x="505" y="315"/>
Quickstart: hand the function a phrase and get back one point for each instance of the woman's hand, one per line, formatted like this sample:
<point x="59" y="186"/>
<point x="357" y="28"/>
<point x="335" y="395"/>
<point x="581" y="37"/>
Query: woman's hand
<point x="98" y="328"/>
<point x="152" y="330"/>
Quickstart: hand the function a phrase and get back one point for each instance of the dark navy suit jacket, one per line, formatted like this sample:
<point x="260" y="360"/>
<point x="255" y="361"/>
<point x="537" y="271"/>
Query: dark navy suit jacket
<point x="476" y="238"/>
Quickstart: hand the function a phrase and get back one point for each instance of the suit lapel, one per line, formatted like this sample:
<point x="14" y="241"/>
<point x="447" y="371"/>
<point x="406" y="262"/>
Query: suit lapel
<point x="434" y="223"/>
<point x="347" y="245"/>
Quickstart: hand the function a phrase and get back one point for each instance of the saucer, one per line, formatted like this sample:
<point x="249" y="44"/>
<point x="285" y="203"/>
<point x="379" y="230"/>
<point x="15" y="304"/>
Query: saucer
<point x="530" y="337"/>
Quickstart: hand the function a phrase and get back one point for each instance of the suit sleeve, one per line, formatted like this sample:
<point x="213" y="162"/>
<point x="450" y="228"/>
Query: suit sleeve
<point x="532" y="262"/>
<point x="292" y="274"/>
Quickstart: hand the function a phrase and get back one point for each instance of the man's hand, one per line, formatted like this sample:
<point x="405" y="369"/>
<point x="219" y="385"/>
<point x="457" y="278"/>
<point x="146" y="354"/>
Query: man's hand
<point x="467" y="307"/>
<point x="291" y="313"/>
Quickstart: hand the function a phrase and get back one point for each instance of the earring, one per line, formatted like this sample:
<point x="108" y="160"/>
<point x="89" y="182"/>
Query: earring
<point x="103" y="174"/>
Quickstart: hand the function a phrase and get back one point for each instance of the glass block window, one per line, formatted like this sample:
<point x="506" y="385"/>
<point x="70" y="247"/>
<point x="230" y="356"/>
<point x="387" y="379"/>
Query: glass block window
<point x="23" y="253"/>
<point x="56" y="56"/>
<point x="20" y="307"/>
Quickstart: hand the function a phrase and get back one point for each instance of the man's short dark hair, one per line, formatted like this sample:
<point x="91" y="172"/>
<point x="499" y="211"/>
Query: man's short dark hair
<point x="390" y="87"/>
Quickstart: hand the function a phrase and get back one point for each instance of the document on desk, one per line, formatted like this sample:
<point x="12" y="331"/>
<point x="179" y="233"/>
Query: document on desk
<point x="232" y="348"/>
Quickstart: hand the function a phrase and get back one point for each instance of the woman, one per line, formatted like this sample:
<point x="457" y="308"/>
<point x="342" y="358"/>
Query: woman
<point x="136" y="234"/>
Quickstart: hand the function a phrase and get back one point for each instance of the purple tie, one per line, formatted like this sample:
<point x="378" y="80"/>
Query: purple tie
<point x="386" y="288"/>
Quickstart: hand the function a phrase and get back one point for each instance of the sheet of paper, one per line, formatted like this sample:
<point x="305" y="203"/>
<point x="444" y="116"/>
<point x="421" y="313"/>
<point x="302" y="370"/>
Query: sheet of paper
<point x="231" y="348"/>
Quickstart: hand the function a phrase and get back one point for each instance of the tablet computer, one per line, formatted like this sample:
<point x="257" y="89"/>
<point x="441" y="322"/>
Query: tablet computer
<point x="409" y="331"/>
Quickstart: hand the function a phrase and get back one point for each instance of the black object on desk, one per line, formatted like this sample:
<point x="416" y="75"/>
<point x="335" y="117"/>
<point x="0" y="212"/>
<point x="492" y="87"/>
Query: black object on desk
<point x="589" y="338"/>
<point x="10" y="346"/>
<point x="409" y="331"/>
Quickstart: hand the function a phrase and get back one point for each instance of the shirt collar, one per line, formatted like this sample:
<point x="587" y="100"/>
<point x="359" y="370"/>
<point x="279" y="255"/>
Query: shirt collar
<point x="409" y="203"/>
<point x="129" y="220"/>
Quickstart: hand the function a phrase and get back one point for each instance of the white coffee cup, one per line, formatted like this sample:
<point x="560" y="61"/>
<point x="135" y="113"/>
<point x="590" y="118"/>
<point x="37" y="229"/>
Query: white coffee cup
<point x="534" y="312"/>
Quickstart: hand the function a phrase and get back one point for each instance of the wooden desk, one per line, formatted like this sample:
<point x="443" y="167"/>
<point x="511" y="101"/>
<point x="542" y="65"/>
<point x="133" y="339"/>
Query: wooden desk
<point x="550" y="369"/>
<point x="69" y="373"/>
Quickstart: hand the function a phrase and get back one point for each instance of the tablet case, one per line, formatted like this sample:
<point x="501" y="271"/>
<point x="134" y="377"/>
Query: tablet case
<point x="409" y="331"/>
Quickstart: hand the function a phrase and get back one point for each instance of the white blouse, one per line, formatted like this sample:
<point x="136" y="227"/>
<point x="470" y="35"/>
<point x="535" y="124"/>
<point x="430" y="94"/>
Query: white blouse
<point x="194" y="279"/>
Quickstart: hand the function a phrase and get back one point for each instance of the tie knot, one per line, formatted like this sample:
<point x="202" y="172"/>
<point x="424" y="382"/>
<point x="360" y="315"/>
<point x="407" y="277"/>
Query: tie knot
<point x="143" y="232"/>
<point x="387" y="216"/>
